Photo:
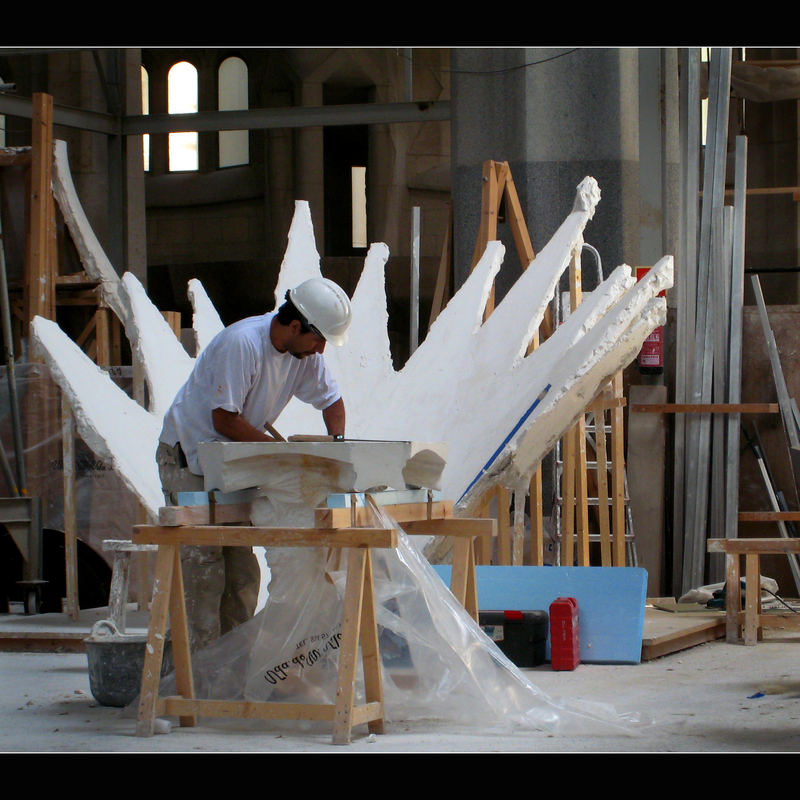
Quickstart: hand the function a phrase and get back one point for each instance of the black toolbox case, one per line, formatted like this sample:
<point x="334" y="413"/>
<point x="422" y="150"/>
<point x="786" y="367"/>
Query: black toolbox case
<point x="520" y="635"/>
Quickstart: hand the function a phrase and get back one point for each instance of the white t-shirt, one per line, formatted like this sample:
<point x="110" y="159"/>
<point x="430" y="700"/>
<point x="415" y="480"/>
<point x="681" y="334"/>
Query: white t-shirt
<point x="241" y="371"/>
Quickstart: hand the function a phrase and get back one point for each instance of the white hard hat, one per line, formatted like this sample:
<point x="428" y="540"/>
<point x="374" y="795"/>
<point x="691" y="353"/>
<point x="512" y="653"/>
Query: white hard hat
<point x="326" y="307"/>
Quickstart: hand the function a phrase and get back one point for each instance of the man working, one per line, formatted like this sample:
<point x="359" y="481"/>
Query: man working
<point x="239" y="385"/>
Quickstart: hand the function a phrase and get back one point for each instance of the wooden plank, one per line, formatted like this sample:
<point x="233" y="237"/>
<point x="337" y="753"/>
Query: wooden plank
<point x="248" y="536"/>
<point x="536" y="506"/>
<point x="102" y="337"/>
<point x="441" y="291"/>
<point x="42" y="642"/>
<point x="752" y="597"/>
<point x="647" y="436"/>
<point x="487" y="229"/>
<point x="370" y="650"/>
<point x="581" y="493"/>
<point x="768" y="516"/>
<point x="39" y="288"/>
<point x="224" y="513"/>
<point x="705" y="408"/>
<point x="603" y="519"/>
<point x="15" y="157"/>
<point x="518" y="529"/>
<point x="568" y="500"/>
<point x="578" y="432"/>
<point x="351" y="628"/>
<point x="154" y="652"/>
<point x="743" y="546"/>
<point x="733" y="598"/>
<point x="253" y="709"/>
<point x="179" y="624"/>
<point x="666" y="632"/>
<point x="618" y="477"/>
<point x="462" y="527"/>
<point x="503" y="526"/>
<point x="70" y="507"/>
<point x="462" y="577"/>
<point x="401" y="512"/>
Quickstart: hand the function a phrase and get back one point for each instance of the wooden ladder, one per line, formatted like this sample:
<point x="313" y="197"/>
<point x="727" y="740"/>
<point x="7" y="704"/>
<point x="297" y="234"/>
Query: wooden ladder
<point x="572" y="502"/>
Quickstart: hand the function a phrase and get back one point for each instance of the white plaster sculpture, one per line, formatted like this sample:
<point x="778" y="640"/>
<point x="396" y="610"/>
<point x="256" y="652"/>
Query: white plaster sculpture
<point x="94" y="260"/>
<point x="469" y="385"/>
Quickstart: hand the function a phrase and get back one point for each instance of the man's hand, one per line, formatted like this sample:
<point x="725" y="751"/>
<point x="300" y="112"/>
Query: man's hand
<point x="235" y="427"/>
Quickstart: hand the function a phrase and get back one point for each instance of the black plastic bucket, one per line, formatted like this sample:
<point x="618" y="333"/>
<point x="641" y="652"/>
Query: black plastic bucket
<point x="115" y="667"/>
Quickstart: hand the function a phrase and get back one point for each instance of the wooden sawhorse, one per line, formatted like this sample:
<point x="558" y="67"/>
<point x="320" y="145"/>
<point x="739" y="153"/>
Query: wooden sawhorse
<point x="358" y="627"/>
<point x="752" y="618"/>
<point x="472" y="537"/>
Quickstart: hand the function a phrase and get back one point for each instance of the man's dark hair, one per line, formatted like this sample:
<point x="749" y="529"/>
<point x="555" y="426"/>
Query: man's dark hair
<point x="288" y="312"/>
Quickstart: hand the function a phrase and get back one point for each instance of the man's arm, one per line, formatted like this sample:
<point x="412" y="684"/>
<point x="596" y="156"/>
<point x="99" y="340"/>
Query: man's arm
<point x="334" y="418"/>
<point x="236" y="428"/>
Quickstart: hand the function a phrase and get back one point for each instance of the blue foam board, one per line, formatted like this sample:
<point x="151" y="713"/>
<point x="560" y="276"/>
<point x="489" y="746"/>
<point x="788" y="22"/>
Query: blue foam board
<point x="611" y="602"/>
<point x="201" y="498"/>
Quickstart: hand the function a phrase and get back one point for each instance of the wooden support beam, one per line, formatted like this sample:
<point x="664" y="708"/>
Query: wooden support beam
<point x="441" y="291"/>
<point x="768" y="516"/>
<point x="503" y="526"/>
<point x="705" y="408"/>
<point x="70" y="508"/>
<point x="39" y="290"/>
<point x="618" y="476"/>
<point x="400" y="512"/>
<point x="601" y="459"/>
<point x="248" y="536"/>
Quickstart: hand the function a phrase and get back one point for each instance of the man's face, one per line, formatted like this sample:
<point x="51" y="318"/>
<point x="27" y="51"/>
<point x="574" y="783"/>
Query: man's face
<point x="304" y="344"/>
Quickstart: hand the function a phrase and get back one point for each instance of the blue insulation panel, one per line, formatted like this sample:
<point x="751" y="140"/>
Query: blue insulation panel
<point x="611" y="602"/>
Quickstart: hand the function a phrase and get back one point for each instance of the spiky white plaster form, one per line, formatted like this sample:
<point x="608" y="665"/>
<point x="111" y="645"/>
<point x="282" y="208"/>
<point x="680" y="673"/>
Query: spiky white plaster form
<point x="92" y="255"/>
<point x="469" y="384"/>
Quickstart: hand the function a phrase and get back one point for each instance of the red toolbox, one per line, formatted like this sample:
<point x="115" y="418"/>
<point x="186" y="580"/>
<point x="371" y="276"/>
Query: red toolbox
<point x="565" y="651"/>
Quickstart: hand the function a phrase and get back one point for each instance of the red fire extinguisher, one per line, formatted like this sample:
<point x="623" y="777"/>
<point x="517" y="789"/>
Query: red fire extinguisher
<point x="651" y="356"/>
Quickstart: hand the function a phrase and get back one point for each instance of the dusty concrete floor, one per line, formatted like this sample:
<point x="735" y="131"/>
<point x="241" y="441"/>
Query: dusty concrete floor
<point x="712" y="698"/>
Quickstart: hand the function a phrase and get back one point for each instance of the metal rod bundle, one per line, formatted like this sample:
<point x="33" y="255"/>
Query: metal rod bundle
<point x="709" y="330"/>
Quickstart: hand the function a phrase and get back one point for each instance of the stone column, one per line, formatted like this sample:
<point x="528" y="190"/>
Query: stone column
<point x="556" y="115"/>
<point x="309" y="164"/>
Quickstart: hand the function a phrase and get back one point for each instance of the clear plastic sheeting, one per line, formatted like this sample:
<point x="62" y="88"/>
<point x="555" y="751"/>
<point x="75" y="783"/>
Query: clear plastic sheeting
<point x="105" y="508"/>
<point x="437" y="662"/>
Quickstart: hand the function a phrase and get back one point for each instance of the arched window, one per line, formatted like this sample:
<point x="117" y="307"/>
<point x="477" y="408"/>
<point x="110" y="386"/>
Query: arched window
<point x="146" y="110"/>
<point x="234" y="146"/>
<point x="182" y="99"/>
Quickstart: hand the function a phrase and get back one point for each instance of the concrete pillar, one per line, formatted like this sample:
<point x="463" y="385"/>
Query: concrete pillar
<point x="309" y="164"/>
<point x="556" y="115"/>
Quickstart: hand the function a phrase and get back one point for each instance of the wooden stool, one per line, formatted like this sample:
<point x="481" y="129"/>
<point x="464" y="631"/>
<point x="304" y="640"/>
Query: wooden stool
<point x="754" y="621"/>
<point x="358" y="627"/>
<point x="120" y="573"/>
